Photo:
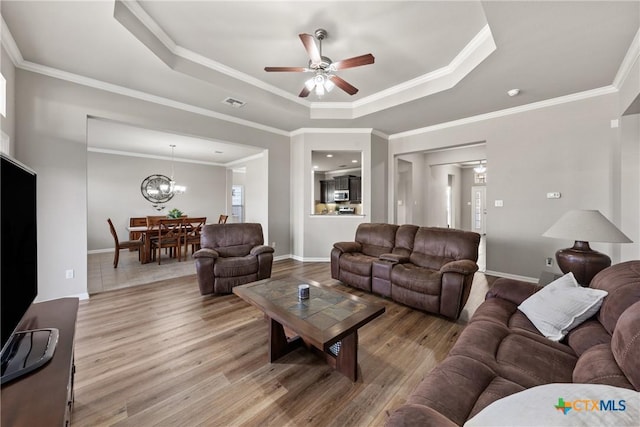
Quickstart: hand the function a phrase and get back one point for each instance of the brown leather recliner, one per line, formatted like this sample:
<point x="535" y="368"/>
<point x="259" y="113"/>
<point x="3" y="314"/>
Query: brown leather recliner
<point x="231" y="255"/>
<point x="428" y="268"/>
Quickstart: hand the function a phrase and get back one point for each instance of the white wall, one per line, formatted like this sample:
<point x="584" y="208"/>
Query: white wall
<point x="113" y="191"/>
<point x="564" y="147"/>
<point x="51" y="132"/>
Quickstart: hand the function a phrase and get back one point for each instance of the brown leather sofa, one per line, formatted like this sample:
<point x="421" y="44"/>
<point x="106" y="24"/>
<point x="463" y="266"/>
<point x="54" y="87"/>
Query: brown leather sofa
<point x="231" y="255"/>
<point x="500" y="352"/>
<point x="427" y="268"/>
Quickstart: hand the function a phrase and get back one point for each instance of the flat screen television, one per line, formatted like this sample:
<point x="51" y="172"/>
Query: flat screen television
<point x="21" y="351"/>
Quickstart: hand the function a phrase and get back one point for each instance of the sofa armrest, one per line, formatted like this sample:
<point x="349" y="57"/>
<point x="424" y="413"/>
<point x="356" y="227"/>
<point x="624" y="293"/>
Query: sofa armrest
<point x="418" y="415"/>
<point x="206" y="253"/>
<point x="345" y="247"/>
<point x="462" y="266"/>
<point x="398" y="259"/>
<point x="512" y="290"/>
<point x="261" y="249"/>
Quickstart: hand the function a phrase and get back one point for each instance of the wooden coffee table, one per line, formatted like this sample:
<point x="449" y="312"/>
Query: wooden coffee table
<point x="328" y="321"/>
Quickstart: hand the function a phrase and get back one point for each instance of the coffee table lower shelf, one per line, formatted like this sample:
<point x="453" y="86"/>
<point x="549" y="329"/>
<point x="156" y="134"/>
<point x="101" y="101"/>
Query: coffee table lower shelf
<point x="345" y="361"/>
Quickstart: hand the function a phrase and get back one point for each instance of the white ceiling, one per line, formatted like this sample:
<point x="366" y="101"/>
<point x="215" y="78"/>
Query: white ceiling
<point x="435" y="61"/>
<point x="118" y="138"/>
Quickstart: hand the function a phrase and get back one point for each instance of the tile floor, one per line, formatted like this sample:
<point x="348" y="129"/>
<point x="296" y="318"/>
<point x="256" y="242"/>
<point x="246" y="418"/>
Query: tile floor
<point x="103" y="277"/>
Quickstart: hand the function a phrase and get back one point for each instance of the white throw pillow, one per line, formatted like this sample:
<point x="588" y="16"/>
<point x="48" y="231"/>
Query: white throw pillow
<point x="561" y="306"/>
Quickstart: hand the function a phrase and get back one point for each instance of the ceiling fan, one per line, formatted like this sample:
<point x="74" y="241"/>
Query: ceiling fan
<point x="324" y="79"/>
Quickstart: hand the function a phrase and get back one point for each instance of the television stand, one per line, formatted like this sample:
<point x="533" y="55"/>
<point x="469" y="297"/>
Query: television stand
<point x="53" y="381"/>
<point x="27" y="351"/>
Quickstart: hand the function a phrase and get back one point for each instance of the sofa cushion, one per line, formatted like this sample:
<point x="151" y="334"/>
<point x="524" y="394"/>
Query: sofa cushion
<point x="587" y="335"/>
<point x="622" y="281"/>
<point x="625" y="344"/>
<point x="415" y="278"/>
<point x="598" y="366"/>
<point x="405" y="236"/>
<point x="433" y="247"/>
<point x="460" y="387"/>
<point x="525" y="358"/>
<point x="357" y="263"/>
<point x="505" y="313"/>
<point x="376" y="239"/>
<point x="561" y="306"/>
<point x="235" y="266"/>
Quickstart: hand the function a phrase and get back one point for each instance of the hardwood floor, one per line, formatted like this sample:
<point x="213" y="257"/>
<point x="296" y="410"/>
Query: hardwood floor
<point x="162" y="354"/>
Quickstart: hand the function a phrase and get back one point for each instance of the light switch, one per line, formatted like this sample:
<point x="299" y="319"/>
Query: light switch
<point x="498" y="203"/>
<point x="554" y="195"/>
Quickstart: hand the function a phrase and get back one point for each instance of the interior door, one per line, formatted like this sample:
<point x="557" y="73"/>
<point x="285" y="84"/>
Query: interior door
<point x="478" y="209"/>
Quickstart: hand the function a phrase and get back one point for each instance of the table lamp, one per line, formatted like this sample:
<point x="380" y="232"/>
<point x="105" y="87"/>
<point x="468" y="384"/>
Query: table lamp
<point x="584" y="226"/>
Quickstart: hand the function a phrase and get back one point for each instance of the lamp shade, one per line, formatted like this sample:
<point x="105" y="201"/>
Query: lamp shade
<point x="586" y="226"/>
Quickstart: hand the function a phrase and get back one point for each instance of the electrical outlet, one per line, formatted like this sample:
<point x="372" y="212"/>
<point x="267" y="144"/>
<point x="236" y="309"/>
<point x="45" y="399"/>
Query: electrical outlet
<point x="273" y="245"/>
<point x="69" y="274"/>
<point x="548" y="262"/>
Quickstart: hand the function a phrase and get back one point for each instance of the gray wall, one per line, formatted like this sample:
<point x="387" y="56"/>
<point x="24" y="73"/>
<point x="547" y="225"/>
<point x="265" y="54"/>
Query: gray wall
<point x="113" y="191"/>
<point x="565" y="148"/>
<point x="51" y="123"/>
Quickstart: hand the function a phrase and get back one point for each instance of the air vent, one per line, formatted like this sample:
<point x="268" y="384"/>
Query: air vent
<point x="235" y="103"/>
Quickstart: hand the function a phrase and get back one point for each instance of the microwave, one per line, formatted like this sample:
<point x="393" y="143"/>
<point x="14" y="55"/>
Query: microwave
<point x="341" y="195"/>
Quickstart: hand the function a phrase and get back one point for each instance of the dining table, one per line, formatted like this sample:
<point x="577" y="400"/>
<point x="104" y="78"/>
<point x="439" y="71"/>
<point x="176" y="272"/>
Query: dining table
<point x="146" y="232"/>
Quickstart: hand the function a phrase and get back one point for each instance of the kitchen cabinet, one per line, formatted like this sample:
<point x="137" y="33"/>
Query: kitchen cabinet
<point x="342" y="182"/>
<point x="355" y="189"/>
<point x="327" y="188"/>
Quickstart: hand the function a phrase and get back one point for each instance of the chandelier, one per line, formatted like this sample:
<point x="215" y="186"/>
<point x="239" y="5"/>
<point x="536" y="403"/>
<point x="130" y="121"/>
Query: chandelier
<point x="159" y="189"/>
<point x="172" y="188"/>
<point x="481" y="168"/>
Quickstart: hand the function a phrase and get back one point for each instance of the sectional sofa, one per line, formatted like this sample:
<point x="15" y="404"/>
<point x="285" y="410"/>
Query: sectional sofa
<point x="501" y="354"/>
<point x="427" y="268"/>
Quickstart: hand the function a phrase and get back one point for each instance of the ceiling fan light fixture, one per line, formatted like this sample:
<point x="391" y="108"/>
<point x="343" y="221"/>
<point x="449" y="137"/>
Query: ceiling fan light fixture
<point x="328" y="84"/>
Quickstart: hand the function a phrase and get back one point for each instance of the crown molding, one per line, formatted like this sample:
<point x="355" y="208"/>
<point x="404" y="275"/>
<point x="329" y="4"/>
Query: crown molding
<point x="303" y="131"/>
<point x="150" y="156"/>
<point x="141" y="25"/>
<point x="630" y="58"/>
<point x="473" y="54"/>
<point x="9" y="44"/>
<point x="606" y="90"/>
<point x="144" y="96"/>
<point x="233" y="163"/>
<point x="176" y="159"/>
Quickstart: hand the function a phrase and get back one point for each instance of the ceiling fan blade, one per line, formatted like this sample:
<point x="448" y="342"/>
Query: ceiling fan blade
<point x="310" y="45"/>
<point x="354" y="62"/>
<point x="287" y="69"/>
<point x="342" y="84"/>
<point x="304" y="92"/>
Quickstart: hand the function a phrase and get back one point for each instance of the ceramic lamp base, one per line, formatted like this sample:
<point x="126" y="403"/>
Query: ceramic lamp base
<point x="582" y="261"/>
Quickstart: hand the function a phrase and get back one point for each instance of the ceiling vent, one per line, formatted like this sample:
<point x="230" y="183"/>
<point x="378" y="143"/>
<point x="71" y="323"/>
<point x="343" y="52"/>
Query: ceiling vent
<point x="235" y="103"/>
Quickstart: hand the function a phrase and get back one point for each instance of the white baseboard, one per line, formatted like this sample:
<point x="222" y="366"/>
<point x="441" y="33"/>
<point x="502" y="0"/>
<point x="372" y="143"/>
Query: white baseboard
<point x="100" y="251"/>
<point x="511" y="276"/>
<point x="281" y="257"/>
<point x="303" y="259"/>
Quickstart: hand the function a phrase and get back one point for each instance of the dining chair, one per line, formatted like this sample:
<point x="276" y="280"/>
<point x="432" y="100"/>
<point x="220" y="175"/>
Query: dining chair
<point x="126" y="244"/>
<point x="169" y="236"/>
<point x="223" y="219"/>
<point x="191" y="235"/>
